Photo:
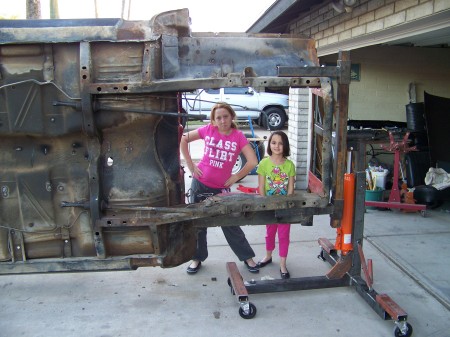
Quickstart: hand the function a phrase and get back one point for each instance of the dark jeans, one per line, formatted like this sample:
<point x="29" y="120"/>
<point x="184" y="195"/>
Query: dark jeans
<point x="234" y="234"/>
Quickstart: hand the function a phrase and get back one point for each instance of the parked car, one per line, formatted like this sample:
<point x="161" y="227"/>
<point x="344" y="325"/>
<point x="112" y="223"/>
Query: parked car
<point x="268" y="110"/>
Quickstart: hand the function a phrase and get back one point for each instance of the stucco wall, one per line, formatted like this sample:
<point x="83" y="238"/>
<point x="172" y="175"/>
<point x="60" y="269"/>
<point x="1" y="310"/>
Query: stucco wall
<point x="386" y="73"/>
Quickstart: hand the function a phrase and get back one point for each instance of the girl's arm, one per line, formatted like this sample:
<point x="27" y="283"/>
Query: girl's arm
<point x="261" y="184"/>
<point x="291" y="183"/>
<point x="251" y="163"/>
<point x="184" y="148"/>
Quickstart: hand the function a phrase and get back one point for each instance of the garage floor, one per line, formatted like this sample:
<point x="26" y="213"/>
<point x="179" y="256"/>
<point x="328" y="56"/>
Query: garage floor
<point x="410" y="260"/>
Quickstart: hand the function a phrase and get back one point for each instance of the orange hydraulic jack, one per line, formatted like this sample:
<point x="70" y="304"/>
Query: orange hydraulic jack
<point x="344" y="232"/>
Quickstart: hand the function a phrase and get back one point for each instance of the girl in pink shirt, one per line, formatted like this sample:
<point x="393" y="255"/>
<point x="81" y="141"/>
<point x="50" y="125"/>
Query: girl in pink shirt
<point x="223" y="143"/>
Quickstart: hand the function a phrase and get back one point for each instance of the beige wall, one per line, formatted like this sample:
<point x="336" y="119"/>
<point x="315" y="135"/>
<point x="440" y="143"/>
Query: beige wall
<point x="386" y="73"/>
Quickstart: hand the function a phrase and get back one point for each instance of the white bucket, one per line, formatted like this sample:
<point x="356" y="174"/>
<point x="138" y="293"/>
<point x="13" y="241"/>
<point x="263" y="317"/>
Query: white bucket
<point x="381" y="178"/>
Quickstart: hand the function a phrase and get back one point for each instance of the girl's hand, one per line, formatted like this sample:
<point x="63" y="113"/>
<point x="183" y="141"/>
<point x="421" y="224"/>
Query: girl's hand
<point x="230" y="181"/>
<point x="196" y="172"/>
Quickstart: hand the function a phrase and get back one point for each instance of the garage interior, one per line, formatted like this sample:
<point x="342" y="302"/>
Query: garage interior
<point x="399" y="52"/>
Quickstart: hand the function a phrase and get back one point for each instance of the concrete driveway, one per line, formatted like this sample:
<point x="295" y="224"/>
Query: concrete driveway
<point x="410" y="256"/>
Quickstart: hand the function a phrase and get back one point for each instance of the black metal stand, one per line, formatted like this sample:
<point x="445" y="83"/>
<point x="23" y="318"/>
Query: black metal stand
<point x="346" y="271"/>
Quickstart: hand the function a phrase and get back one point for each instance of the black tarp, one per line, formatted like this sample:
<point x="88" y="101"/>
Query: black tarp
<point x="437" y="115"/>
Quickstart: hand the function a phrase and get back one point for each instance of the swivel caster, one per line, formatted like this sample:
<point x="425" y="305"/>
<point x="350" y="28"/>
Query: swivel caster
<point x="403" y="329"/>
<point x="247" y="310"/>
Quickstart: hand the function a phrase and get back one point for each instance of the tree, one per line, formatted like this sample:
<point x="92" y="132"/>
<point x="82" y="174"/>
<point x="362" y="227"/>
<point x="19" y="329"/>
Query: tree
<point x="33" y="9"/>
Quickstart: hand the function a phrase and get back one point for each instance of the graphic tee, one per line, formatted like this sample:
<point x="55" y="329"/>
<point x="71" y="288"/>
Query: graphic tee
<point x="221" y="152"/>
<point x="277" y="176"/>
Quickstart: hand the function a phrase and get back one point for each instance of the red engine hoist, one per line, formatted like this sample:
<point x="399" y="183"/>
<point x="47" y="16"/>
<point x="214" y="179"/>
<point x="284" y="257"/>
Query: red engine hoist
<point x="394" y="197"/>
<point x="346" y="268"/>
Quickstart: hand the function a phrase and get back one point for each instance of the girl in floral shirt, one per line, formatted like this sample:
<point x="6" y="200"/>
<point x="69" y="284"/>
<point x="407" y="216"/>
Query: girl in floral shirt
<point x="276" y="176"/>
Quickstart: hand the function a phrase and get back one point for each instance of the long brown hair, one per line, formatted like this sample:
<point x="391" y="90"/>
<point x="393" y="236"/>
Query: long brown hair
<point x="226" y="106"/>
<point x="284" y="139"/>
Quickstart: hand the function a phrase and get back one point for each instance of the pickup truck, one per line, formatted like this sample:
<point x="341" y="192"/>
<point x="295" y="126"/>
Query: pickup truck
<point x="268" y="110"/>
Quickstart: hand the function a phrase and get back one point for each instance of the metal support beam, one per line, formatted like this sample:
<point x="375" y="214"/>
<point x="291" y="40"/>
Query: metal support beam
<point x="294" y="284"/>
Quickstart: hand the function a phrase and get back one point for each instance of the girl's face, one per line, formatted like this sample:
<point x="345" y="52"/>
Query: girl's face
<point x="276" y="145"/>
<point x="223" y="119"/>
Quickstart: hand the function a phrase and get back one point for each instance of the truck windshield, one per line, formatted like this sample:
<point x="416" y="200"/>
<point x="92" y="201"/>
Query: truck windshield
<point x="237" y="91"/>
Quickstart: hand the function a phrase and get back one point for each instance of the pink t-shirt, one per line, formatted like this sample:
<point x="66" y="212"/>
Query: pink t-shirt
<point x="221" y="152"/>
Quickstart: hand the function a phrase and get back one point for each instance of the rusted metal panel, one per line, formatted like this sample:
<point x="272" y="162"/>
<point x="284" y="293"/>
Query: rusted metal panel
<point x="341" y="129"/>
<point x="90" y="170"/>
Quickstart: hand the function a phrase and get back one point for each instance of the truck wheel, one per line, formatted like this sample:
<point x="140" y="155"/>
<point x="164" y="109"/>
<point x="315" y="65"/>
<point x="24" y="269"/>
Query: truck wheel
<point x="241" y="161"/>
<point x="274" y="118"/>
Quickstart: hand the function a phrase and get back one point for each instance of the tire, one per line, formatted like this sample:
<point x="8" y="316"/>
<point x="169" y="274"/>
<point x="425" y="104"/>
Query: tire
<point x="260" y="120"/>
<point x="259" y="149"/>
<point x="240" y="163"/>
<point x="274" y="118"/>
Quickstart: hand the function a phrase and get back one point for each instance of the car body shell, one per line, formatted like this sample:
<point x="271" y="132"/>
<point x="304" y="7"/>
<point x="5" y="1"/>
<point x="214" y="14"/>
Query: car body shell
<point x="90" y="171"/>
